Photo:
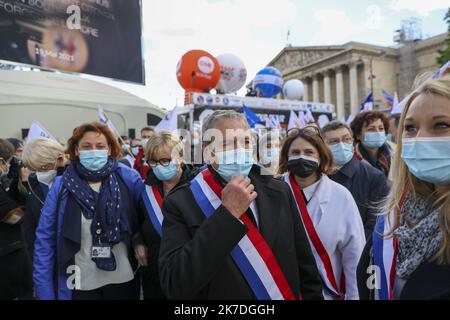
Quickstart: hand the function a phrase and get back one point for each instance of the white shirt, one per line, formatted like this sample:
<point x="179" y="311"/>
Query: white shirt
<point x="338" y="223"/>
<point x="92" y="277"/>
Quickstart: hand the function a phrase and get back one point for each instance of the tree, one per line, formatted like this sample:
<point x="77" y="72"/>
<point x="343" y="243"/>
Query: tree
<point x="445" y="54"/>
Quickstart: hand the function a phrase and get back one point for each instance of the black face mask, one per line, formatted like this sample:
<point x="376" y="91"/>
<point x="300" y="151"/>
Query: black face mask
<point x="303" y="168"/>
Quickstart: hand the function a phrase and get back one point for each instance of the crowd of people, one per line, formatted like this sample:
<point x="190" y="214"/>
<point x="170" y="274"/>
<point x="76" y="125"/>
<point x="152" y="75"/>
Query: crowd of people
<point x="342" y="212"/>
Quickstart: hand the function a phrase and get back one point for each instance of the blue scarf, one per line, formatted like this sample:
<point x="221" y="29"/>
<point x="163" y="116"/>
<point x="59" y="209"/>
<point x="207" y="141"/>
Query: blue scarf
<point x="104" y="208"/>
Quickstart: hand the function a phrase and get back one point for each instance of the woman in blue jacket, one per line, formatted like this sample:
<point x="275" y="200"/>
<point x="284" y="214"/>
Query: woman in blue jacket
<point x="83" y="241"/>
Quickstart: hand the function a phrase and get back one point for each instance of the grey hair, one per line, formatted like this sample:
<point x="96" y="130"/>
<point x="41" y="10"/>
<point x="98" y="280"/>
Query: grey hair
<point x="211" y="120"/>
<point x="41" y="151"/>
<point x="335" y="125"/>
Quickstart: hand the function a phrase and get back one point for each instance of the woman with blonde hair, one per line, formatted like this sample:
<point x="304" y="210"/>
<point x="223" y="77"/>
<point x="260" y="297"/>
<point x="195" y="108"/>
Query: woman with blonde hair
<point x="408" y="256"/>
<point x="164" y="155"/>
<point x="45" y="158"/>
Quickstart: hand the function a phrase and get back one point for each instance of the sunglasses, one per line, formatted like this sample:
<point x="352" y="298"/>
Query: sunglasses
<point x="307" y="131"/>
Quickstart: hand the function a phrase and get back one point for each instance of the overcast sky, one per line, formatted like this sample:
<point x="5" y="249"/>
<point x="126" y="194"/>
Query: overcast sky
<point x="256" y="30"/>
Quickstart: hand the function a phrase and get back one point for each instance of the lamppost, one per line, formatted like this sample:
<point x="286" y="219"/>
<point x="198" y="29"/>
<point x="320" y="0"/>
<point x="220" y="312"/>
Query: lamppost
<point x="380" y="53"/>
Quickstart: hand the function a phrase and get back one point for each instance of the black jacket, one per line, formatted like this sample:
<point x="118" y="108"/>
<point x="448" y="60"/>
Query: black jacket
<point x="429" y="282"/>
<point x="195" y="260"/>
<point x="37" y="193"/>
<point x="35" y="202"/>
<point x="368" y="187"/>
<point x="149" y="237"/>
<point x="15" y="265"/>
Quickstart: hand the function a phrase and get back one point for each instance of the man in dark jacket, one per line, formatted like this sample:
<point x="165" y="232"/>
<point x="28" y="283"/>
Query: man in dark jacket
<point x="367" y="184"/>
<point x="196" y="252"/>
<point x="15" y="265"/>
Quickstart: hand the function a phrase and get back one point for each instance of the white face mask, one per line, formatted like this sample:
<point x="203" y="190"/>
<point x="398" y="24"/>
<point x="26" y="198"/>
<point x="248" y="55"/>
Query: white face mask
<point x="144" y="142"/>
<point x="47" y="177"/>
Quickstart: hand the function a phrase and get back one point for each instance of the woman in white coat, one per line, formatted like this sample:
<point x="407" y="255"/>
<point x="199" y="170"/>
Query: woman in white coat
<point x="328" y="211"/>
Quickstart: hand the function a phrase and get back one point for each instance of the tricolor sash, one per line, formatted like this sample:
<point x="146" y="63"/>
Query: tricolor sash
<point x="252" y="255"/>
<point x="321" y="256"/>
<point x="385" y="256"/>
<point x="153" y="202"/>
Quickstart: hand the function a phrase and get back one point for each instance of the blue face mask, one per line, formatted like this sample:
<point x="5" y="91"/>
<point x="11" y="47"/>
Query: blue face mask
<point x="428" y="159"/>
<point x="375" y="139"/>
<point x="165" y="173"/>
<point x="235" y="163"/>
<point x="94" y="160"/>
<point x="342" y="153"/>
<point x="135" y="151"/>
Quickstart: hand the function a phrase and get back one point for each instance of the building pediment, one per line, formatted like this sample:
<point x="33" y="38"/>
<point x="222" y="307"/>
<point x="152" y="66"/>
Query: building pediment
<point x="291" y="59"/>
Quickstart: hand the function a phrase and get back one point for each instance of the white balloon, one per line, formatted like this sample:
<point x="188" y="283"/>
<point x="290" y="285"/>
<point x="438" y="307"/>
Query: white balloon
<point x="233" y="73"/>
<point x="294" y="89"/>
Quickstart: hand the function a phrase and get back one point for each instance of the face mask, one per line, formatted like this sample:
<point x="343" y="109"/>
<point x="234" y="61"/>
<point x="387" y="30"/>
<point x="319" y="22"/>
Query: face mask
<point x="125" y="147"/>
<point x="303" y="166"/>
<point x="144" y="142"/>
<point x="270" y="156"/>
<point x="94" y="160"/>
<point x="165" y="173"/>
<point x="195" y="142"/>
<point x="235" y="163"/>
<point x="374" y="139"/>
<point x="390" y="137"/>
<point x="135" y="151"/>
<point x="342" y="153"/>
<point x="47" y="177"/>
<point x="428" y="159"/>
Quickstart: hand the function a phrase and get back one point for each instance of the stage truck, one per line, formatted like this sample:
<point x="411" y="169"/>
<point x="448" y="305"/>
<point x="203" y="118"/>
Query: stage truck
<point x="192" y="115"/>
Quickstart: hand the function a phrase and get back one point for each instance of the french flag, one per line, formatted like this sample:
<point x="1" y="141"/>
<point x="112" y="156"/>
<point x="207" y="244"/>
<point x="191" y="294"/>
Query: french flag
<point x="389" y="99"/>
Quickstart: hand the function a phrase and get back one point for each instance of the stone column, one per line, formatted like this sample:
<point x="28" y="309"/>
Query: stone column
<point x="340" y="109"/>
<point x="316" y="97"/>
<point x="306" y="95"/>
<point x="354" y="103"/>
<point x="327" y="87"/>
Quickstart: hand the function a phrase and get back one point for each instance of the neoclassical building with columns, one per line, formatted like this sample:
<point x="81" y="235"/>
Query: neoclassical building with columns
<point x="344" y="75"/>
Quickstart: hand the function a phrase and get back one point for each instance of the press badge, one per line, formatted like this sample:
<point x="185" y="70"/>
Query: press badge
<point x="101" y="251"/>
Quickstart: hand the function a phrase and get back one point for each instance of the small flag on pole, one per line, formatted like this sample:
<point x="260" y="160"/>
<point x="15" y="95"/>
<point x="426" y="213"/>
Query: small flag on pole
<point x="273" y="122"/>
<point x="38" y="131"/>
<point x="390" y="101"/>
<point x="294" y="121"/>
<point x="169" y="123"/>
<point x="103" y="118"/>
<point x="302" y="119"/>
<point x="309" y="118"/>
<point x="367" y="104"/>
<point x="252" y="118"/>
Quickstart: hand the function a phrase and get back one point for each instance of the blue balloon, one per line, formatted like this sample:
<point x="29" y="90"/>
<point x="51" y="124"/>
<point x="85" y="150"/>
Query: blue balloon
<point x="268" y="82"/>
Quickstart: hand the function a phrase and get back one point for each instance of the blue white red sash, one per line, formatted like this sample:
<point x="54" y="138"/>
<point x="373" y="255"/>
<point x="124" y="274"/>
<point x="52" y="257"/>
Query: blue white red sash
<point x="153" y="202"/>
<point x="323" y="260"/>
<point x="385" y="256"/>
<point x="252" y="255"/>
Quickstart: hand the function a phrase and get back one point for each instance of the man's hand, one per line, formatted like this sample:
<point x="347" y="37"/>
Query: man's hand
<point x="237" y="196"/>
<point x="141" y="254"/>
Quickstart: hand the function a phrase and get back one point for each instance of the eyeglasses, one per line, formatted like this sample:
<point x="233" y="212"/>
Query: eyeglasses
<point x="164" y="162"/>
<point x="308" y="131"/>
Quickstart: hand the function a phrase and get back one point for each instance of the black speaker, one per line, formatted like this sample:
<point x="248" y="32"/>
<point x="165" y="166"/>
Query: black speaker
<point x="132" y="133"/>
<point x="152" y="120"/>
<point x="25" y="133"/>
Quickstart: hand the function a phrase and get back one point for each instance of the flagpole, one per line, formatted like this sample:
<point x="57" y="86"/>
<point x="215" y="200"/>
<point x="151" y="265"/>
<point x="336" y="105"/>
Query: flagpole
<point x="118" y="134"/>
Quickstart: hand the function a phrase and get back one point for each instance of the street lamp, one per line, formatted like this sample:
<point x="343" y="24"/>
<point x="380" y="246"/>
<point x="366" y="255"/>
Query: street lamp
<point x="380" y="53"/>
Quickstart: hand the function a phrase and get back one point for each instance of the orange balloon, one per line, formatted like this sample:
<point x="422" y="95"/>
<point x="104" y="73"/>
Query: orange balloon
<point x="198" y="71"/>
